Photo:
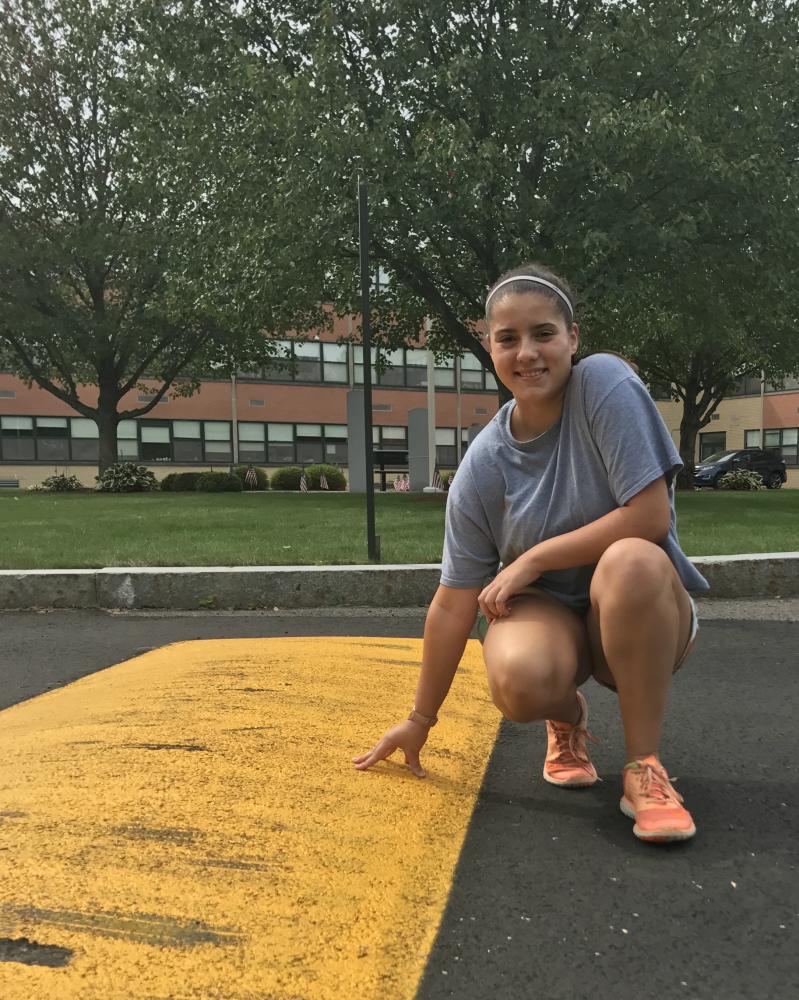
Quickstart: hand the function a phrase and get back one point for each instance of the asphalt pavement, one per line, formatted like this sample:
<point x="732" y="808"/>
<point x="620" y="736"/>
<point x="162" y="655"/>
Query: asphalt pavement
<point x="552" y="895"/>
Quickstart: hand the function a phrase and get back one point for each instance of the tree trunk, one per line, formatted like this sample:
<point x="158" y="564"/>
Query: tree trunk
<point x="689" y="428"/>
<point x="107" y="419"/>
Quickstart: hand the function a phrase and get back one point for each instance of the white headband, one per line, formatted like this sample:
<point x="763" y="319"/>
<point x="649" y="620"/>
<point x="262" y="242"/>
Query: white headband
<point x="538" y="281"/>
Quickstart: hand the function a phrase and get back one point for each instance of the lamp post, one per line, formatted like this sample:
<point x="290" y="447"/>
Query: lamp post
<point x="372" y="541"/>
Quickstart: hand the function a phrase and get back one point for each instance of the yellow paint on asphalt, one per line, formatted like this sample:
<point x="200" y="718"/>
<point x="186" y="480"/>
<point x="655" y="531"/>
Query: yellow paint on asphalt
<point x="188" y="824"/>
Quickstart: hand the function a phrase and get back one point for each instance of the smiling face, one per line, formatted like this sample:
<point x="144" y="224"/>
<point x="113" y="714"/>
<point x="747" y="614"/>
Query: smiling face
<point x="532" y="346"/>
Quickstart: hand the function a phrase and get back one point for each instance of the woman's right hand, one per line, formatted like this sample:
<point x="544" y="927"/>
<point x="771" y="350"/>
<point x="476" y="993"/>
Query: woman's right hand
<point x="408" y="736"/>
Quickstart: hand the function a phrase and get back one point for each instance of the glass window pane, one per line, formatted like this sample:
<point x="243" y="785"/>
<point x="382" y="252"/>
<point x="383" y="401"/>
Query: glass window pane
<point x="309" y="430"/>
<point x="416" y="376"/>
<point x="126" y="429"/>
<point x="18" y="449"/>
<point x="306" y="349"/>
<point x="83" y="449"/>
<point x="359" y="354"/>
<point x="491" y="382"/>
<point x="790" y="435"/>
<point x="216" y="430"/>
<point x="446" y="456"/>
<point x="83" y="428"/>
<point x="471" y="379"/>
<point x="252" y="452"/>
<point x="127" y="449"/>
<point x="21" y="423"/>
<point x="413" y="356"/>
<point x="445" y="435"/>
<point x="335" y="352"/>
<point x="393" y="433"/>
<point x="49" y="449"/>
<point x="335" y="373"/>
<point x="394" y="358"/>
<point x="359" y="374"/>
<point x="752" y="439"/>
<point x="252" y="432"/>
<point x="186" y="429"/>
<point x="52" y="422"/>
<point x="393" y="376"/>
<point x="309" y="451"/>
<point x="445" y="378"/>
<point x="187" y="450"/>
<point x="281" y="432"/>
<point x="335" y="430"/>
<point x="155" y="451"/>
<point x="308" y="371"/>
<point x="772" y="439"/>
<point x="336" y="452"/>
<point x="280" y="453"/>
<point x="789" y="455"/>
<point x="218" y="451"/>
<point x="470" y="363"/>
<point x="376" y="435"/>
<point x="153" y="434"/>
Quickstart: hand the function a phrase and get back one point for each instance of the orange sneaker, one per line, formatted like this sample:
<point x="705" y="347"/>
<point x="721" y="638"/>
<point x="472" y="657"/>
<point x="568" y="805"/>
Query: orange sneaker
<point x="651" y="801"/>
<point x="567" y="763"/>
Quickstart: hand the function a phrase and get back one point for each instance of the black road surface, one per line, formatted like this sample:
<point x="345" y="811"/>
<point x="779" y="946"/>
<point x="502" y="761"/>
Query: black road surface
<point x="553" y="898"/>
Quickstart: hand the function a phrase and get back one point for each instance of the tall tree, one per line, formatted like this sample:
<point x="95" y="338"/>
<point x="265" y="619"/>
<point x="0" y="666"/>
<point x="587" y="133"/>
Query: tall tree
<point x="646" y="150"/>
<point x="116" y="260"/>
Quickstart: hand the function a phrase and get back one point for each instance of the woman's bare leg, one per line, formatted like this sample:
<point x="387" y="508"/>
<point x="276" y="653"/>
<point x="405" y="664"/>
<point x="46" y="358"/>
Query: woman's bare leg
<point x="536" y="658"/>
<point x="638" y="627"/>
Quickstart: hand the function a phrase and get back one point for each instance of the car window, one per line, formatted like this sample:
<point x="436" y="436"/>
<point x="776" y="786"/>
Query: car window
<point x="718" y="456"/>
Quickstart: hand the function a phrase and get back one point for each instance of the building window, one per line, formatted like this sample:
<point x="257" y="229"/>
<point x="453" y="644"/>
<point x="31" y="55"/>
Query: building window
<point x="84" y="440"/>
<point x="127" y="440"/>
<point x="156" y="445"/>
<point x="416" y="368"/>
<point x="52" y="439"/>
<point x="307" y="361"/>
<point x="216" y="438"/>
<point x="280" y="444"/>
<point x="309" y="444"/>
<point x="394" y="373"/>
<point x="445" y="374"/>
<point x="446" y="452"/>
<point x="252" y="442"/>
<point x="334" y="359"/>
<point x="358" y="354"/>
<point x="709" y="444"/>
<point x="187" y="444"/>
<point x="336" y="449"/>
<point x="785" y="439"/>
<point x="17" y="436"/>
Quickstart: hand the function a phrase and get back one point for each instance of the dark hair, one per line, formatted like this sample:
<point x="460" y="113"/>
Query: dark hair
<point x="521" y="287"/>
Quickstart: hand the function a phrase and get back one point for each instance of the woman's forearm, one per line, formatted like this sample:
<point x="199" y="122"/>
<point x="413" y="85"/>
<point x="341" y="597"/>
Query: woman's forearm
<point x="449" y="621"/>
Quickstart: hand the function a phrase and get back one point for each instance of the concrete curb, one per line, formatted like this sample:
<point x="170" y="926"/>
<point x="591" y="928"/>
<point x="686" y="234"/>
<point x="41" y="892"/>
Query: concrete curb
<point x="771" y="574"/>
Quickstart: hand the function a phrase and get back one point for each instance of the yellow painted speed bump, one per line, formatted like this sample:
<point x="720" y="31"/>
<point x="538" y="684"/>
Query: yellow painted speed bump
<point x="188" y="824"/>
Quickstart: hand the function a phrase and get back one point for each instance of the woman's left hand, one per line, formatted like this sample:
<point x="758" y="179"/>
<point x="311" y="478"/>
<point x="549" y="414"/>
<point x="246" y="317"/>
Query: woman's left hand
<point x="494" y="600"/>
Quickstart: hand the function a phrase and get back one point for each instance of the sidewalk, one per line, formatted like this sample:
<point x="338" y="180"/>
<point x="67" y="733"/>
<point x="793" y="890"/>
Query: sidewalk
<point x="770" y="574"/>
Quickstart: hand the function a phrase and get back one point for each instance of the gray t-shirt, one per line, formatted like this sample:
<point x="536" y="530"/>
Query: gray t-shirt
<point x="609" y="444"/>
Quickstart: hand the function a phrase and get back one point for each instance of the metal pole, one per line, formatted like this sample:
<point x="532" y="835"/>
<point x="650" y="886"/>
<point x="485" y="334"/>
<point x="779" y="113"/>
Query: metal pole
<point x="234" y="413"/>
<point x="459" y="413"/>
<point x="431" y="414"/>
<point x="372" y="542"/>
<point x="762" y="409"/>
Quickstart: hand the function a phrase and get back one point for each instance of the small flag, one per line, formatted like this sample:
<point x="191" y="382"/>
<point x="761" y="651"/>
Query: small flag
<point x="303" y="484"/>
<point x="398" y="484"/>
<point x="323" y="482"/>
<point x="436" y="484"/>
<point x="250" y="479"/>
<point x="406" y="484"/>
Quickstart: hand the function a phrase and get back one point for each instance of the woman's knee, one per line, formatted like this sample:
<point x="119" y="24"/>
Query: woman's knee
<point x="524" y="687"/>
<point x="633" y="568"/>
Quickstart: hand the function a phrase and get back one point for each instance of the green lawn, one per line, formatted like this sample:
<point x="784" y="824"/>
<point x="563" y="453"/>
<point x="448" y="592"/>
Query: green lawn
<point x="42" y="531"/>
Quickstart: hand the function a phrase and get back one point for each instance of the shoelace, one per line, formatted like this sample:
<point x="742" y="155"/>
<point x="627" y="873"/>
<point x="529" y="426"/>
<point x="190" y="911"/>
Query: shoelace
<point x="655" y="783"/>
<point x="571" y="744"/>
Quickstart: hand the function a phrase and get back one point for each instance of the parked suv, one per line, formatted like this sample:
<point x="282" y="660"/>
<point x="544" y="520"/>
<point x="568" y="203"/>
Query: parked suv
<point x="768" y="464"/>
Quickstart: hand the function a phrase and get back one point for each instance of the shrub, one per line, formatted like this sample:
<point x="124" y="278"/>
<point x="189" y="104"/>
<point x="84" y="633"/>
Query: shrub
<point x="168" y="483"/>
<point x="741" y="479"/>
<point x="218" y="482"/>
<point x="446" y="480"/>
<point x="185" y="482"/>
<point x="126" y="477"/>
<point x="61" y="483"/>
<point x="286" y="479"/>
<point x="336" y="479"/>
<point x="262" y="480"/>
